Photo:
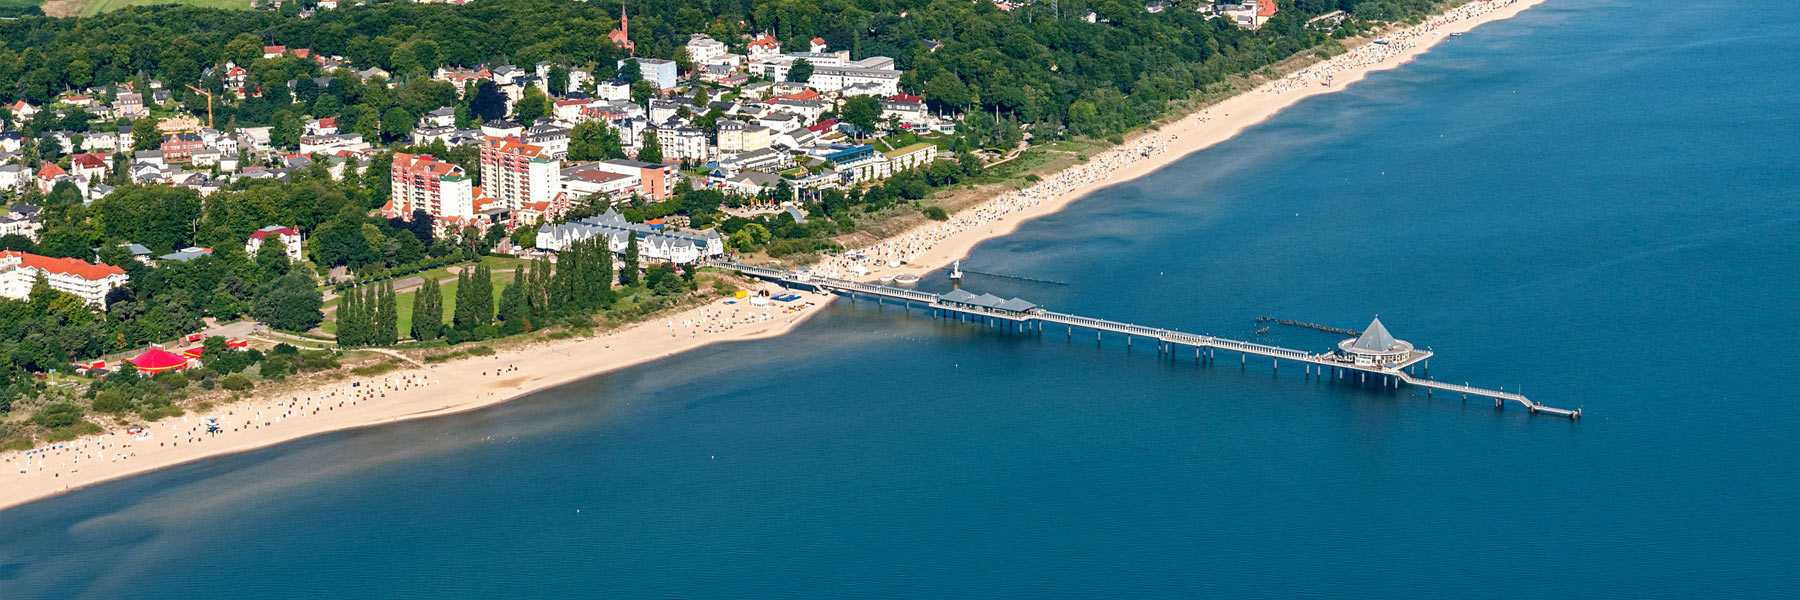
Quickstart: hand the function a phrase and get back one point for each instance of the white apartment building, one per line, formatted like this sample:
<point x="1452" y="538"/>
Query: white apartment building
<point x="422" y="182"/>
<point x="705" y="50"/>
<point x="682" y="143"/>
<point x="90" y="282"/>
<point x="515" y="173"/>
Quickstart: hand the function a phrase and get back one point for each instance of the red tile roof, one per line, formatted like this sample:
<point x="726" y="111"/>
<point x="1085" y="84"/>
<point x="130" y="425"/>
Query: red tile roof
<point x="800" y="95"/>
<point x="91" y="160"/>
<point x="260" y="233"/>
<point x="64" y="266"/>
<point x="51" y="171"/>
<point x="512" y="145"/>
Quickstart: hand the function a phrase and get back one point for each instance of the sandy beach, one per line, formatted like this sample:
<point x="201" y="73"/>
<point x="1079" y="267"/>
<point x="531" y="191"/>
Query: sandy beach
<point x="936" y="245"/>
<point x="427" y="391"/>
<point x="476" y="382"/>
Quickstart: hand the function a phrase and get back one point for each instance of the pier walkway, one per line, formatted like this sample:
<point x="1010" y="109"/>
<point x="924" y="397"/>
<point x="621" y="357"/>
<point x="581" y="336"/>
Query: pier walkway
<point x="1021" y="315"/>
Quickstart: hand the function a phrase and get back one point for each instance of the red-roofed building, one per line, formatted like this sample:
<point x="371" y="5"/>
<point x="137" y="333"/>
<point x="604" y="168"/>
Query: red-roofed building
<point x="46" y="176"/>
<point x="764" y="46"/>
<point x="325" y="126"/>
<point x="19" y="271"/>
<point x="800" y="96"/>
<point x="422" y="182"/>
<point x="818" y="45"/>
<point x="516" y="173"/>
<point x="274" y="51"/>
<point x="621" y="37"/>
<point x="87" y="165"/>
<point x="180" y="147"/>
<point x="290" y="241"/>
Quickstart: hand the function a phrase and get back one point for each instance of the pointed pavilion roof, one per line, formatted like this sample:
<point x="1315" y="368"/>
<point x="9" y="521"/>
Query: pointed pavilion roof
<point x="1376" y="338"/>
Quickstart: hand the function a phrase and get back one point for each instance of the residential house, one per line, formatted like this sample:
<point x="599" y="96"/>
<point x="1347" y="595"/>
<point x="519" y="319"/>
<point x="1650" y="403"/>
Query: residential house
<point x="88" y="166"/>
<point x="706" y="51"/>
<point x="290" y="241"/>
<point x="180" y="147"/>
<point x="130" y="105"/>
<point x="763" y="47"/>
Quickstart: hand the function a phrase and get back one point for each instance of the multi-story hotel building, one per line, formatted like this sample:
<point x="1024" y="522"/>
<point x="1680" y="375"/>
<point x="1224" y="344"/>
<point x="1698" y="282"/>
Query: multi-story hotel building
<point x="422" y="182"/>
<point x="90" y="282"/>
<point x="515" y="173"/>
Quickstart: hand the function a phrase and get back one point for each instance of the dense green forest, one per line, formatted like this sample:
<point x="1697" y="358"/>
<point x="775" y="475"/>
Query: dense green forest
<point x="1039" y="63"/>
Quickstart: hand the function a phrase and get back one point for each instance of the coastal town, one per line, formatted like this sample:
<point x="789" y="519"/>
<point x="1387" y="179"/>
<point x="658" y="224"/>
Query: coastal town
<point x="577" y="168"/>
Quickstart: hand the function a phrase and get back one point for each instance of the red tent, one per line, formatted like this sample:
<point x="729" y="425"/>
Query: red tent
<point x="157" y="360"/>
<point x="194" y="352"/>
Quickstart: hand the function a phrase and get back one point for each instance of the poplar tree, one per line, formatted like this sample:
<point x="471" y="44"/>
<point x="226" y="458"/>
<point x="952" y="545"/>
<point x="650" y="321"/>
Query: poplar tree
<point x="628" y="272"/>
<point x="515" y="316"/>
<point x="465" y="308"/>
<point x="601" y="294"/>
<point x="428" y="312"/>
<point x="387" y="317"/>
<point x="346" y="319"/>
<point x="482" y="295"/>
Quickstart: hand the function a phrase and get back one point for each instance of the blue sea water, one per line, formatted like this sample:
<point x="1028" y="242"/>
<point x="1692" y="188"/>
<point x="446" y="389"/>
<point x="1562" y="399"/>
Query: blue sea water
<point x="1595" y="200"/>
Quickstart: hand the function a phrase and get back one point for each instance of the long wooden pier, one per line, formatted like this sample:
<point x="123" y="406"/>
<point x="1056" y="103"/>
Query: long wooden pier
<point x="1020" y="315"/>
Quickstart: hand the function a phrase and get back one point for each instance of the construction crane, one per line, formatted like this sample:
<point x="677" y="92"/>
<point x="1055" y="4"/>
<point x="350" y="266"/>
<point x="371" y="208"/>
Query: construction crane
<point x="209" y="100"/>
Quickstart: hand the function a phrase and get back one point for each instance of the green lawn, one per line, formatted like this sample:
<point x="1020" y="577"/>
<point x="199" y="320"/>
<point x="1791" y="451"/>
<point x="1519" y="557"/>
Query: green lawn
<point x="95" y="7"/>
<point x="20" y="3"/>
<point x="404" y="301"/>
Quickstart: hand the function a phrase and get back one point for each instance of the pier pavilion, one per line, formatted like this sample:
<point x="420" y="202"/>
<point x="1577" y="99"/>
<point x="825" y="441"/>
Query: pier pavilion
<point x="1378" y="348"/>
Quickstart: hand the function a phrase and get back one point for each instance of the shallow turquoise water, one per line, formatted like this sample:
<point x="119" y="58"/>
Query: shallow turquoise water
<point x="1595" y="201"/>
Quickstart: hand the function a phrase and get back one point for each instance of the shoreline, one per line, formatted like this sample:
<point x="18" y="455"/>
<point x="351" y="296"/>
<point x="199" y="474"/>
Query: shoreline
<point x="414" y="393"/>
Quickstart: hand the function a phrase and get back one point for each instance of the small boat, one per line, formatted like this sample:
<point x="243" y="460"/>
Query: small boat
<point x="907" y="279"/>
<point x="1456" y="34"/>
<point x="894" y="263"/>
<point x="889" y="278"/>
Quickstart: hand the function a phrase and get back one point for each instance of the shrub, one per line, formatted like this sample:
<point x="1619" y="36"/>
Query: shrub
<point x="57" y="414"/>
<point x="937" y="213"/>
<point x="111" y="402"/>
<point x="481" y="351"/>
<point x="236" y="383"/>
